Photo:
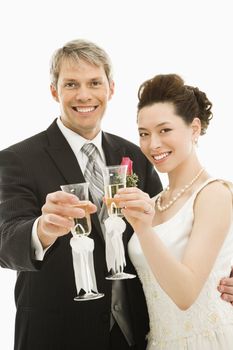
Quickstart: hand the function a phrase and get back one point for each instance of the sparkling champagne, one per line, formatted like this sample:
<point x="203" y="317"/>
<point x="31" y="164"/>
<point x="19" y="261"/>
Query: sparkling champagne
<point x="113" y="203"/>
<point x="82" y="225"/>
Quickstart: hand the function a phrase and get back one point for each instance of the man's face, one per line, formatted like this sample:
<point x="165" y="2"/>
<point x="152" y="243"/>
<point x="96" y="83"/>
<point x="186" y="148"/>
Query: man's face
<point x="83" y="92"/>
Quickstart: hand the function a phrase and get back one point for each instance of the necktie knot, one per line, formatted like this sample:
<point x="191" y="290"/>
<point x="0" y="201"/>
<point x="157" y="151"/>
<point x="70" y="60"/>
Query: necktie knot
<point x="89" y="149"/>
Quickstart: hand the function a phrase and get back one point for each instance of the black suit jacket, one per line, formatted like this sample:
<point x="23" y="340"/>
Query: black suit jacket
<point x="47" y="316"/>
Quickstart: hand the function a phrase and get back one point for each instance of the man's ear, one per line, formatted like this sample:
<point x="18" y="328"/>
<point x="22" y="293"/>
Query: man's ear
<point x="53" y="91"/>
<point x="111" y="89"/>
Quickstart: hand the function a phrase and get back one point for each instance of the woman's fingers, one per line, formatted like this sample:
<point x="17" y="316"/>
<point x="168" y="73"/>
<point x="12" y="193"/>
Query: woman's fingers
<point x="139" y="205"/>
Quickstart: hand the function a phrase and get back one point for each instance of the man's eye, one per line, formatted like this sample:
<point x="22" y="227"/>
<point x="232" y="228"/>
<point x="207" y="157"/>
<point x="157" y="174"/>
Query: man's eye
<point x="95" y="83"/>
<point x="71" y="85"/>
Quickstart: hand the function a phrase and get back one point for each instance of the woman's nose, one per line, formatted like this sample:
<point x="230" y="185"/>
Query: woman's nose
<point x="155" y="143"/>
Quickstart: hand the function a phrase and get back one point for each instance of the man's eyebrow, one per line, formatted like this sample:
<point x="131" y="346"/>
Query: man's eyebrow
<point x="70" y="79"/>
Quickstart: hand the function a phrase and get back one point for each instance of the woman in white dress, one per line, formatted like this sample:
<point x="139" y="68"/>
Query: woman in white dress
<point x="183" y="240"/>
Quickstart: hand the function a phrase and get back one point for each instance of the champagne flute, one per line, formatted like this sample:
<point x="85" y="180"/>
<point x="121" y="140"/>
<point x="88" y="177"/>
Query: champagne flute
<point x="114" y="179"/>
<point x="82" y="246"/>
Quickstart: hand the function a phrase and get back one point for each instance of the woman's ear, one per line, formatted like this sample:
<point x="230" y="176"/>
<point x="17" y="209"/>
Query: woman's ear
<point x="196" y="129"/>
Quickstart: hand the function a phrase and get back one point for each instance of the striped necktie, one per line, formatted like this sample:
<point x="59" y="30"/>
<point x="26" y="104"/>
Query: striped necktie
<point x="93" y="174"/>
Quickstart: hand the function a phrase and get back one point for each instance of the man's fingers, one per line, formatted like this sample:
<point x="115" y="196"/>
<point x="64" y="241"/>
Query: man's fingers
<point x="52" y="223"/>
<point x="226" y="281"/>
<point x="91" y="208"/>
<point x="62" y="197"/>
<point x="59" y="211"/>
<point x="225" y="289"/>
<point x="63" y="210"/>
<point x="65" y="204"/>
<point x="227" y="297"/>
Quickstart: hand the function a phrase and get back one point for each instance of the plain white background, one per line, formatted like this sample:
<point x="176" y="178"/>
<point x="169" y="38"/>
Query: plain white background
<point x="143" y="38"/>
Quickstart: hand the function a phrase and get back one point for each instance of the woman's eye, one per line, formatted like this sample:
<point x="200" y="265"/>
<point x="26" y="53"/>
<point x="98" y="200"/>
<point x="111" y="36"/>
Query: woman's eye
<point x="163" y="131"/>
<point x="143" y="134"/>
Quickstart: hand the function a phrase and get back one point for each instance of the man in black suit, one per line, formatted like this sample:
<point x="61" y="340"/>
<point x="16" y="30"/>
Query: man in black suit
<point x="35" y="217"/>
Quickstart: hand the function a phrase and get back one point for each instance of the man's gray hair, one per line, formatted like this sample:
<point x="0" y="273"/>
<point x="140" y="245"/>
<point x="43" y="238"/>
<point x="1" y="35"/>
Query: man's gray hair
<point x="80" y="50"/>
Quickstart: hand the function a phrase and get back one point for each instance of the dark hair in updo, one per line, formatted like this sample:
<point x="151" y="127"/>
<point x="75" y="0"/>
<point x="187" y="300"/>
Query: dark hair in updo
<point x="189" y="102"/>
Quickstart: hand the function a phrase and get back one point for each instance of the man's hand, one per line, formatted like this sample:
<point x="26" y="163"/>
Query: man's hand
<point x="57" y="216"/>
<point x="225" y="287"/>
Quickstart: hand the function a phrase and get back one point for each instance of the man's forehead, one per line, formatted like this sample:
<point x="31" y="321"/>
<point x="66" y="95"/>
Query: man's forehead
<point x="72" y="63"/>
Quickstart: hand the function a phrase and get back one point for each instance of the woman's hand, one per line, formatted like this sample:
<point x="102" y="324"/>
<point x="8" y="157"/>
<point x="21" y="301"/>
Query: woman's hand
<point x="137" y="207"/>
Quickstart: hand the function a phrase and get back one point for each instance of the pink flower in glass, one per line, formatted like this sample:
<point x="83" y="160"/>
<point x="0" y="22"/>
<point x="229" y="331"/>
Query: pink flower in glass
<point x="129" y="162"/>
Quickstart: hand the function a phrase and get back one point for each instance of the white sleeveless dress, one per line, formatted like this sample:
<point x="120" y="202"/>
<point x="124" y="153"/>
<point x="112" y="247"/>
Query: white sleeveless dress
<point x="208" y="323"/>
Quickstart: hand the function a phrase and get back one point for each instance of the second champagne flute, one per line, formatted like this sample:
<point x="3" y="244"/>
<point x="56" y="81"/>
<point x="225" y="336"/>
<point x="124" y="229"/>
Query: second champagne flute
<point x="114" y="179"/>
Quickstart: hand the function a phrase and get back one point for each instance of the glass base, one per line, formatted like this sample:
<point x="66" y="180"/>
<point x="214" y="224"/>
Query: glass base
<point x="89" y="296"/>
<point x="120" y="276"/>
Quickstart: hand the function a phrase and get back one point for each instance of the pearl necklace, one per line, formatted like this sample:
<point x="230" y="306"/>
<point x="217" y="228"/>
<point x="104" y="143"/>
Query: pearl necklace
<point x="178" y="195"/>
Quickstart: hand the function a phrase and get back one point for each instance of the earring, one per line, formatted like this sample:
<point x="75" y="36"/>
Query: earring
<point x="196" y="141"/>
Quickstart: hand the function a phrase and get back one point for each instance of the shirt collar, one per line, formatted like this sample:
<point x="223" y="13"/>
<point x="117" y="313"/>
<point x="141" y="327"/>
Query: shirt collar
<point x="76" y="141"/>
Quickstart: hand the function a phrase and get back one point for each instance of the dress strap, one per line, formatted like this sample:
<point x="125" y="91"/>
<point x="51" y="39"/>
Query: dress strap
<point x="228" y="184"/>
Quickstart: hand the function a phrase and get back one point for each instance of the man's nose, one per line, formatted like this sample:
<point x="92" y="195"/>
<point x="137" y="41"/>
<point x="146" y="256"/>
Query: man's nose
<point x="83" y="94"/>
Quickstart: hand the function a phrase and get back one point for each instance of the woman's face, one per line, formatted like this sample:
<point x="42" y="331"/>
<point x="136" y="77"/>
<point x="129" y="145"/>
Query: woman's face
<point x="165" y="139"/>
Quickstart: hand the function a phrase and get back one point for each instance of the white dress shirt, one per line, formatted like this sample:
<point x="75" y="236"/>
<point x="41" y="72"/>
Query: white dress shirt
<point x="76" y="142"/>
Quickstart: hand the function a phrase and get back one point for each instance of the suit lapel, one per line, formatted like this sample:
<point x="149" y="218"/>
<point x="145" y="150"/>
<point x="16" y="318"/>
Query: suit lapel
<point x="63" y="156"/>
<point x="65" y="160"/>
<point x="112" y="150"/>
